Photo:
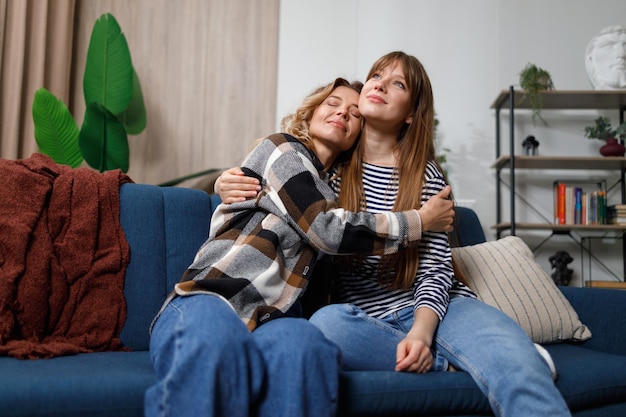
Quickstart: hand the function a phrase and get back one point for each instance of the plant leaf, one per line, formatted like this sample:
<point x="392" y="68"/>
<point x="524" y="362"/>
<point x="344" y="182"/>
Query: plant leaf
<point x="134" y="118"/>
<point x="103" y="140"/>
<point x="108" y="78"/>
<point x="56" y="132"/>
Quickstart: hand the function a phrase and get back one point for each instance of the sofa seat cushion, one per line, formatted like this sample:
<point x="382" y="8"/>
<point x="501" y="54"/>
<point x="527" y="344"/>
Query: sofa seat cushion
<point x="95" y="384"/>
<point x="588" y="378"/>
<point x="386" y="393"/>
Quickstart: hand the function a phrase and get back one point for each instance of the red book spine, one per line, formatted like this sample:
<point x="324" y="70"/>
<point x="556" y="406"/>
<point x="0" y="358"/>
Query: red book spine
<point x="562" y="203"/>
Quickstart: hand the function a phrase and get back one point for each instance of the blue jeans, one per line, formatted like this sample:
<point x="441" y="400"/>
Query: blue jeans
<point x="473" y="337"/>
<point x="208" y="363"/>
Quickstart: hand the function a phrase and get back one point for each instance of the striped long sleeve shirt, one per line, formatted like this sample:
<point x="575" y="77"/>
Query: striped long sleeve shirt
<point x="434" y="283"/>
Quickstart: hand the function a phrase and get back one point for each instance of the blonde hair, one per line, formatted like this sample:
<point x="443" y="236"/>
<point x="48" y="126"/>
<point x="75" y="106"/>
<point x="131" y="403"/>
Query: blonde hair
<point x="297" y="124"/>
<point x="415" y="148"/>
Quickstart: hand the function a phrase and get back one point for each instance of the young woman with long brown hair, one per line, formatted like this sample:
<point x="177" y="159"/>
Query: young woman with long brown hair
<point x="410" y="311"/>
<point x="399" y="309"/>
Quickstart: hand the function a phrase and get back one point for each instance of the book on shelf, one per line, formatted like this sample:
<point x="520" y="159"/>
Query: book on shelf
<point x="616" y="214"/>
<point x="581" y="202"/>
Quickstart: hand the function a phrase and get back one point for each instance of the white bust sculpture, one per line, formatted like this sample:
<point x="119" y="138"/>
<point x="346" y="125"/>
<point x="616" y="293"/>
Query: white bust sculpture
<point x="605" y="59"/>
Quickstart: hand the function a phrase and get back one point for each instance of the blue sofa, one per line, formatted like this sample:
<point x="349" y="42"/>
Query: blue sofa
<point x="165" y="226"/>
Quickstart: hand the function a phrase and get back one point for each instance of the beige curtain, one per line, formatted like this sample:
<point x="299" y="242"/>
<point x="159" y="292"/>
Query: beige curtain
<point x="36" y="38"/>
<point x="207" y="68"/>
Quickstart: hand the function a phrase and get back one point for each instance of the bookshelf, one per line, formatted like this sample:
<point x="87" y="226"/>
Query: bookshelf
<point x="562" y="228"/>
<point x="565" y="99"/>
<point x="557" y="163"/>
<point x="511" y="100"/>
<point x="562" y="162"/>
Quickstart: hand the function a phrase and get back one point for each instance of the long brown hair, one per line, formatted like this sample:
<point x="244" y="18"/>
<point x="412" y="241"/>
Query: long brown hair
<point x="415" y="147"/>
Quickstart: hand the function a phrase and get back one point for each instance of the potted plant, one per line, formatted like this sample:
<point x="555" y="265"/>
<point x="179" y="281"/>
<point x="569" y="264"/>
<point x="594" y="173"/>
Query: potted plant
<point x="534" y="80"/>
<point x="603" y="130"/>
<point x="441" y="153"/>
<point x="114" y="107"/>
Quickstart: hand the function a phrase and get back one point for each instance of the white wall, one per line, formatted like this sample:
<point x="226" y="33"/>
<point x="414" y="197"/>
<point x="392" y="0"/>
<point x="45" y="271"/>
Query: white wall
<point x="472" y="49"/>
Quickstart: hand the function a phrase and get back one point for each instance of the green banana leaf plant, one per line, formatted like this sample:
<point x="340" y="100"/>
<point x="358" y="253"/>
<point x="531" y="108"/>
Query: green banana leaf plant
<point x="114" y="107"/>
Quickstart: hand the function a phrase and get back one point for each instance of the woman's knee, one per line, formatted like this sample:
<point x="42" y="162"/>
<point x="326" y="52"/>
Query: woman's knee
<point x="298" y="338"/>
<point x="291" y="329"/>
<point x="480" y="319"/>
<point x="328" y="317"/>
<point x="201" y="322"/>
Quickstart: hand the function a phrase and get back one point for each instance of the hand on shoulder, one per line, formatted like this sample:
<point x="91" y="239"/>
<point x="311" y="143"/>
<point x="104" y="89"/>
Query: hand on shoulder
<point x="437" y="214"/>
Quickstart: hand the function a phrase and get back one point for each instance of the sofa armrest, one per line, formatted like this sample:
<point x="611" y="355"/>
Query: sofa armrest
<point x="603" y="311"/>
<point x="164" y="227"/>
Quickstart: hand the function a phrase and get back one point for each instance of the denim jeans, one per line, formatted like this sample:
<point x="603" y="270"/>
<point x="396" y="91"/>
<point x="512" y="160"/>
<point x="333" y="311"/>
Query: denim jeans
<point x="473" y="337"/>
<point x="208" y="363"/>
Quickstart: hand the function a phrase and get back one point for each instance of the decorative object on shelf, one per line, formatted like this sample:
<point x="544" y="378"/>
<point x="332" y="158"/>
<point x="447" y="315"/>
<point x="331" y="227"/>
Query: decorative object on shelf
<point x="114" y="107"/>
<point x="603" y="130"/>
<point x="533" y="80"/>
<point x="530" y="146"/>
<point x="612" y="148"/>
<point x="562" y="275"/>
<point x="605" y="59"/>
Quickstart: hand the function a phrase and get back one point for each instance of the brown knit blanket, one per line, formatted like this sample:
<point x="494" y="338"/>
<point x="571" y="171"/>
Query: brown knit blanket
<point x="63" y="256"/>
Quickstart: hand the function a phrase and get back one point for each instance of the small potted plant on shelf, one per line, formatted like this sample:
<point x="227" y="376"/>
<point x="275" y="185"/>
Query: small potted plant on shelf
<point x="534" y="80"/>
<point x="614" y="138"/>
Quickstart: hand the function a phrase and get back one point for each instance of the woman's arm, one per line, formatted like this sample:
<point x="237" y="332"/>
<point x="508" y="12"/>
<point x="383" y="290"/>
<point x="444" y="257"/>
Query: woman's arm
<point x="433" y="281"/>
<point x="435" y="274"/>
<point x="437" y="213"/>
<point x="293" y="190"/>
<point x="413" y="353"/>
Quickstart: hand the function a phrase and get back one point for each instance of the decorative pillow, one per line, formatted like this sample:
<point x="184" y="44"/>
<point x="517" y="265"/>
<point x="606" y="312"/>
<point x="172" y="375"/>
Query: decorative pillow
<point x="504" y="274"/>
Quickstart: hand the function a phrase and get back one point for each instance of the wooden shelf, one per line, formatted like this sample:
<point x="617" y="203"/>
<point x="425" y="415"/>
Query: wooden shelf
<point x="606" y="284"/>
<point x="562" y="228"/>
<point x="563" y="162"/>
<point x="566" y="100"/>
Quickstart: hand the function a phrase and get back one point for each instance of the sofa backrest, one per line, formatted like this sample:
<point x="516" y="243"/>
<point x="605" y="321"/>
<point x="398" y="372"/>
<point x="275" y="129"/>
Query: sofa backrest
<point x="164" y="227"/>
<point x="467" y="228"/>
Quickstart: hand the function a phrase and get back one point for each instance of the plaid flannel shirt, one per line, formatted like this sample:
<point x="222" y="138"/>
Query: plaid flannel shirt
<point x="261" y="252"/>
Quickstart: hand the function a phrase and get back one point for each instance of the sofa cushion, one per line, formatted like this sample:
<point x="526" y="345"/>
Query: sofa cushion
<point x="602" y="310"/>
<point x="504" y="274"/>
<point x="94" y="384"/>
<point x="588" y="378"/>
<point x="388" y="393"/>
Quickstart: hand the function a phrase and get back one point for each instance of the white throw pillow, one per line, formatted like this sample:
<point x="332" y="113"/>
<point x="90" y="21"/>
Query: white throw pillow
<point x="504" y="274"/>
